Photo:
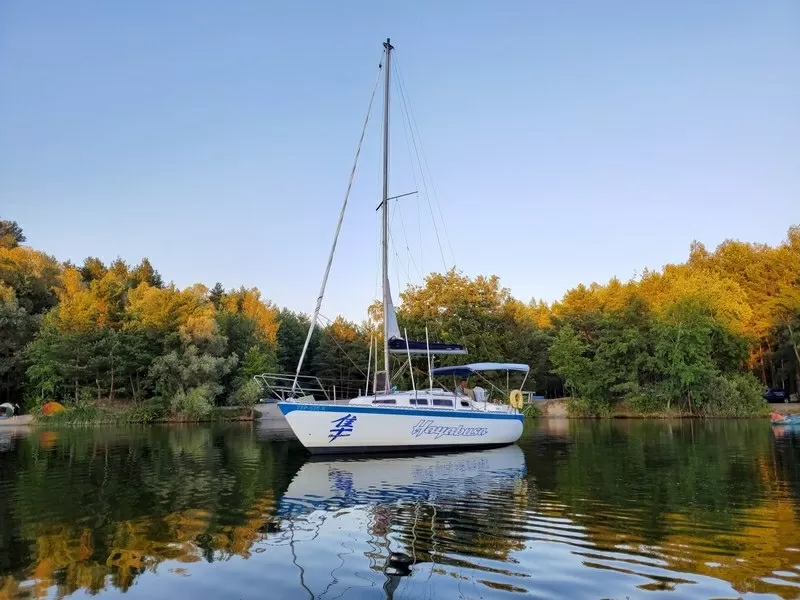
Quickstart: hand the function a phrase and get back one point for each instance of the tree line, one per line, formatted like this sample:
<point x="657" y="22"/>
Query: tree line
<point x="705" y="336"/>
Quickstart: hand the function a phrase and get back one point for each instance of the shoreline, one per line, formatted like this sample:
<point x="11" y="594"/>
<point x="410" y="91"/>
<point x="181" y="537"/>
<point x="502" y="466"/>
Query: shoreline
<point x="17" y="421"/>
<point x="556" y="408"/>
<point x="117" y="416"/>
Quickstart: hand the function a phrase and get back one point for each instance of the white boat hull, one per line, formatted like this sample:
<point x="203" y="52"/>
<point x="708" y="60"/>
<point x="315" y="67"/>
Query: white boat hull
<point x="330" y="429"/>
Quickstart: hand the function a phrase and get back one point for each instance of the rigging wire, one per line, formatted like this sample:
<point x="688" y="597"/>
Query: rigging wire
<point x="407" y="131"/>
<point x="419" y="150"/>
<point x="427" y="166"/>
<point x="408" y="246"/>
<point x="398" y="262"/>
<point x="424" y="182"/>
<point x="393" y="248"/>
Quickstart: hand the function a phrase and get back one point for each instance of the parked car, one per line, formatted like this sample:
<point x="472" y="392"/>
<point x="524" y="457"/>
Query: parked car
<point x="776" y="395"/>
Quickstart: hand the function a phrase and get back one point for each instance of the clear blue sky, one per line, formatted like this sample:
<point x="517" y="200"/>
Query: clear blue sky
<point x="568" y="142"/>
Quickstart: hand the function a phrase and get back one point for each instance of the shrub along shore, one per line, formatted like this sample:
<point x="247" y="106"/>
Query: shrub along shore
<point x="572" y="408"/>
<point x="700" y="338"/>
<point x="118" y="415"/>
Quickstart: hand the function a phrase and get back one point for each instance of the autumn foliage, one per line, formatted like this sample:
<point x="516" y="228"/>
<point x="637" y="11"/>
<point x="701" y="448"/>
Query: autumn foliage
<point x="117" y="334"/>
<point x="703" y="337"/>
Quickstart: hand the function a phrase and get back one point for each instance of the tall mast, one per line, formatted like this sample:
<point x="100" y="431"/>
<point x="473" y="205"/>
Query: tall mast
<point x="385" y="239"/>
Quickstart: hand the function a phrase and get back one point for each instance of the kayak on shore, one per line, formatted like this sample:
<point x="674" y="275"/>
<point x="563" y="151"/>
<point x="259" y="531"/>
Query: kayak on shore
<point x="779" y="419"/>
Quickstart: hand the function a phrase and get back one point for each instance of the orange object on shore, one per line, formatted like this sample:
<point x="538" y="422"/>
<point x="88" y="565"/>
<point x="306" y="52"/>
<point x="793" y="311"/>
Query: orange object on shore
<point x="52" y="408"/>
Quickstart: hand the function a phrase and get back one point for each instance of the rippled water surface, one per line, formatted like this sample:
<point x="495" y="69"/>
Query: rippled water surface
<point x="623" y="509"/>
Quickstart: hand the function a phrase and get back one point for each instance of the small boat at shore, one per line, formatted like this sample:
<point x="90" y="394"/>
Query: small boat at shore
<point x="420" y="418"/>
<point x="779" y="419"/>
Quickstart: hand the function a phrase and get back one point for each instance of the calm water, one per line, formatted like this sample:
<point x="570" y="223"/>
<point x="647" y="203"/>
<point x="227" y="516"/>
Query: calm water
<point x="622" y="509"/>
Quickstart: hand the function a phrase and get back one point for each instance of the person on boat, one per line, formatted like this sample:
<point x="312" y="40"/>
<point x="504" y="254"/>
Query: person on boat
<point x="478" y="394"/>
<point x="776" y="417"/>
<point x="463" y="390"/>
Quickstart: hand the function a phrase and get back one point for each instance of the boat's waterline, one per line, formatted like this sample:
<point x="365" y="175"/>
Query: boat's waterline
<point x="334" y="429"/>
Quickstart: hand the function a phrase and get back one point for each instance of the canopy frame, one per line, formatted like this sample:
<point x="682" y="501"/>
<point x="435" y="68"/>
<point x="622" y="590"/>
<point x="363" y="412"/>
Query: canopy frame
<point x="470" y="369"/>
<point x="476" y="368"/>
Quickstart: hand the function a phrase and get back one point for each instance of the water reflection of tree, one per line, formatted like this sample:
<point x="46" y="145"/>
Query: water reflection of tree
<point x="102" y="505"/>
<point x="693" y="468"/>
<point x="716" y="498"/>
<point x="786" y="467"/>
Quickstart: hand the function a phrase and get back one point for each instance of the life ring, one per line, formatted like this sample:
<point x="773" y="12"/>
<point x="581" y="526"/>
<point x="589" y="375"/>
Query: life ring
<point x="515" y="399"/>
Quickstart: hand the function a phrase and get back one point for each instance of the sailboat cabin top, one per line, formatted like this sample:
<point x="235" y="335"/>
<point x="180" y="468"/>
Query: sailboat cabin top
<point x="459" y="398"/>
<point x="433" y="398"/>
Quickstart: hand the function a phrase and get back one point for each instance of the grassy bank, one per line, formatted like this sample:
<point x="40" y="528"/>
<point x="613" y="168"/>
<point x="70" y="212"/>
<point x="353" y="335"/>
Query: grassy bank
<point x="108" y="415"/>
<point x="576" y="408"/>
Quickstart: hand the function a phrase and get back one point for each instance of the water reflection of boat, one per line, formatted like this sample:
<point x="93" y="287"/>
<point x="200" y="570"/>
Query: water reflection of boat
<point x="393" y="502"/>
<point x="334" y="484"/>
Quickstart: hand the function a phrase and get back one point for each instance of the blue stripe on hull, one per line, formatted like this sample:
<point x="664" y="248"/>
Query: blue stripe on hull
<point x="394" y="450"/>
<point x="287" y="407"/>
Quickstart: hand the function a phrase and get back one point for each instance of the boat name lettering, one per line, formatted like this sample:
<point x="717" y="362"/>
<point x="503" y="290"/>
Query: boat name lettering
<point x="427" y="427"/>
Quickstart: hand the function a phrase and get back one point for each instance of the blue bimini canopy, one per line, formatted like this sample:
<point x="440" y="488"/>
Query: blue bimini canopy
<point x="467" y="370"/>
<point x="401" y="346"/>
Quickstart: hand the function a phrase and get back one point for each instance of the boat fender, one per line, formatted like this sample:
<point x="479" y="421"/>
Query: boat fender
<point x="515" y="399"/>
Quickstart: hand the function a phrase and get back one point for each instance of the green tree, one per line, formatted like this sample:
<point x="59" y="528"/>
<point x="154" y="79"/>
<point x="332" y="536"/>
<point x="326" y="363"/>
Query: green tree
<point x="684" y="352"/>
<point x="569" y="356"/>
<point x="17" y="329"/>
<point x="217" y="294"/>
<point x="93" y="269"/>
<point x="340" y="358"/>
<point x="190" y="380"/>
<point x="11" y="234"/>
<point x="245" y="390"/>
<point x="254" y="353"/>
<point x="145" y="273"/>
<point x="292" y="332"/>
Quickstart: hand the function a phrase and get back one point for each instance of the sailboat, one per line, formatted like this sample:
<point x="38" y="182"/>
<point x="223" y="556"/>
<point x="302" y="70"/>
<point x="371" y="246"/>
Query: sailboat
<point x="389" y="419"/>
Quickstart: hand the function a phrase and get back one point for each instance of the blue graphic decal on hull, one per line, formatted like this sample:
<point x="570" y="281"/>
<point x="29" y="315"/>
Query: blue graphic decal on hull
<point x="342" y="427"/>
